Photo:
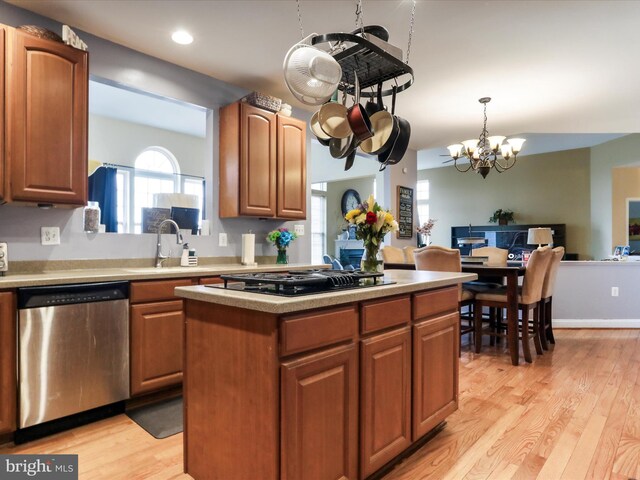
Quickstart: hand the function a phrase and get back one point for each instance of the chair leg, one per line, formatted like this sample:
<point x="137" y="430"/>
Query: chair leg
<point x="536" y="329"/>
<point x="525" y="336"/>
<point x="499" y="327"/>
<point x="477" y="326"/>
<point x="542" y="329"/>
<point x="548" y="321"/>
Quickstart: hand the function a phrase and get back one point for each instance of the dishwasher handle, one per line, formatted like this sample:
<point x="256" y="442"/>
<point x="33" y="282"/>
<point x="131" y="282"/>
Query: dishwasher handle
<point x="50" y="296"/>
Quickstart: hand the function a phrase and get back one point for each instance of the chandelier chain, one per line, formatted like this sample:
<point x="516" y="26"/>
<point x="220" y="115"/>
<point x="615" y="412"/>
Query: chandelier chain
<point x="300" y="20"/>
<point x="359" y="17"/>
<point x="411" y="24"/>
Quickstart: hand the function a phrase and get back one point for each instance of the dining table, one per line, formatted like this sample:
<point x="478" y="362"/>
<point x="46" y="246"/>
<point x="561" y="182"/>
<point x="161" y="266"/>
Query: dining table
<point x="510" y="272"/>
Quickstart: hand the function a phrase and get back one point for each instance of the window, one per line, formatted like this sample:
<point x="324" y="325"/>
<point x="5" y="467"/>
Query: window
<point x="422" y="197"/>
<point x="318" y="221"/>
<point x="156" y="171"/>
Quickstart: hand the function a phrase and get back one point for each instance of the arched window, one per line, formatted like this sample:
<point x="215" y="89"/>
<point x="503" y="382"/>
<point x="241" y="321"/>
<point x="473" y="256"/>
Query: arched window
<point x="157" y="159"/>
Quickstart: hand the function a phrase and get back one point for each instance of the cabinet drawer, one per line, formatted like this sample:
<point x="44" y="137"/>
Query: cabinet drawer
<point x="156" y="290"/>
<point x="210" y="280"/>
<point x="380" y="314"/>
<point x="434" y="302"/>
<point x="312" y="330"/>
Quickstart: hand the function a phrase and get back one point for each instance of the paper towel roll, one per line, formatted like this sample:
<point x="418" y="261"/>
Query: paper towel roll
<point x="248" y="248"/>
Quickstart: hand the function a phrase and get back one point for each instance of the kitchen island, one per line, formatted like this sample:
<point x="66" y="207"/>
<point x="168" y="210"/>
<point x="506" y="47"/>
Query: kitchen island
<point x="324" y="386"/>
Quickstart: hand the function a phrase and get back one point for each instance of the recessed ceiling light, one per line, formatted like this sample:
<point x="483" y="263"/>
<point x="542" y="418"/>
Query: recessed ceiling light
<point x="182" y="37"/>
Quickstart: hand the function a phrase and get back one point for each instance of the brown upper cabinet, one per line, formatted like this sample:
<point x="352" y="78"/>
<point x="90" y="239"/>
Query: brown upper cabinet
<point x="3" y="34"/>
<point x="46" y="115"/>
<point x="262" y="164"/>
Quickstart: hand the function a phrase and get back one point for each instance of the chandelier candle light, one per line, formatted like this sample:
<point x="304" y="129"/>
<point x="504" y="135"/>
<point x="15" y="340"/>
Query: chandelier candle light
<point x="486" y="152"/>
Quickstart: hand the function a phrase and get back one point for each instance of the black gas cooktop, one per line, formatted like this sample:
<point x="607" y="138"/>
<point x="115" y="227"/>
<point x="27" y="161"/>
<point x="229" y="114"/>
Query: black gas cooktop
<point x="301" y="282"/>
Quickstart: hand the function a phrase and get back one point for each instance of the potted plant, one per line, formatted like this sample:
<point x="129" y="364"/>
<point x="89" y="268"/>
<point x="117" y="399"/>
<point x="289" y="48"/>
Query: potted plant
<point x="281" y="238"/>
<point x="503" y="217"/>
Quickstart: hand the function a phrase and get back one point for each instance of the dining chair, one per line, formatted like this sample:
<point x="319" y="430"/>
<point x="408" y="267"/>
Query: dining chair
<point x="529" y="296"/>
<point x="545" y="308"/>
<point x="408" y="255"/>
<point x="496" y="256"/>
<point x="443" y="259"/>
<point x="392" y="254"/>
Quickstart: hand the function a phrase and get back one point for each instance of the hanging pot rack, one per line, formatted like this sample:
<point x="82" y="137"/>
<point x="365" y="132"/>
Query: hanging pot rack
<point x="373" y="60"/>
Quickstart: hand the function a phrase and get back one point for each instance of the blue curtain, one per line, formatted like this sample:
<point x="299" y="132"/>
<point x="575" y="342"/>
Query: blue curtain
<point x="103" y="189"/>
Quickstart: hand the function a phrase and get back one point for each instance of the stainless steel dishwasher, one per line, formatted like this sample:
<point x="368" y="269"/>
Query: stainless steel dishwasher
<point x="73" y="349"/>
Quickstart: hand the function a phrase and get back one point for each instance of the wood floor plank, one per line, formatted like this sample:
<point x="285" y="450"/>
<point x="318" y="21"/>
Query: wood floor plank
<point x="573" y="413"/>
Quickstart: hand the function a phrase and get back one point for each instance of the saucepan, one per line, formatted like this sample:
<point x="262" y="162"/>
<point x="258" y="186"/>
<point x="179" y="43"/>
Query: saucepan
<point x="385" y="129"/>
<point x="394" y="153"/>
<point x="314" y="125"/>
<point x="358" y="118"/>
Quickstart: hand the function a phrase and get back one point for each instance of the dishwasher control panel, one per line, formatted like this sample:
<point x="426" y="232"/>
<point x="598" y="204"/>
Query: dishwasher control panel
<point x="34" y="297"/>
<point x="4" y="257"/>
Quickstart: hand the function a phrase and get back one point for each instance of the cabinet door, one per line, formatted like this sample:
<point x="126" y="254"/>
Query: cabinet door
<point x="7" y="363"/>
<point x="292" y="168"/>
<point x="156" y="345"/>
<point x="435" y="372"/>
<point x="47" y="115"/>
<point x="3" y="33"/>
<point x="257" y="162"/>
<point x="385" y="399"/>
<point x="319" y="408"/>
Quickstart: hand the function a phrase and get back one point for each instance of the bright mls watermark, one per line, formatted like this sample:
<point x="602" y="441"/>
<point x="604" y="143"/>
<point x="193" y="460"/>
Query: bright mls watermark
<point x="49" y="467"/>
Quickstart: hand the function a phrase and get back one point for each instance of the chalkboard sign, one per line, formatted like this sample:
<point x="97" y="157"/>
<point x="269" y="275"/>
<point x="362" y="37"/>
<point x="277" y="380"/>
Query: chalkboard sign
<point x="405" y="212"/>
<point x="152" y="217"/>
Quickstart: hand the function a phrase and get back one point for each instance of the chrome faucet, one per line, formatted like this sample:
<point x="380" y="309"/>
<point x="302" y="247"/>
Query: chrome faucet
<point x="159" y="256"/>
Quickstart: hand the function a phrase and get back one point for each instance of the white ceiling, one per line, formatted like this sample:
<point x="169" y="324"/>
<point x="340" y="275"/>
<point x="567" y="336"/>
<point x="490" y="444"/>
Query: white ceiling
<point x="550" y="66"/>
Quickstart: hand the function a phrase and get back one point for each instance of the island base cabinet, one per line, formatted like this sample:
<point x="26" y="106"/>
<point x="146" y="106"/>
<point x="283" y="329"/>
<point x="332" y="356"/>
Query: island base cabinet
<point x="385" y="399"/>
<point x="319" y="416"/>
<point x="435" y="372"/>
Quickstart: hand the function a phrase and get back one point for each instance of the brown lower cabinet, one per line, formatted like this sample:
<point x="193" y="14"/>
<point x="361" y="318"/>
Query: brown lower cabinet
<point x="157" y="342"/>
<point x="385" y="398"/>
<point x="7" y="362"/>
<point x="333" y="393"/>
<point x="435" y="372"/>
<point x="157" y="329"/>
<point x="319" y="416"/>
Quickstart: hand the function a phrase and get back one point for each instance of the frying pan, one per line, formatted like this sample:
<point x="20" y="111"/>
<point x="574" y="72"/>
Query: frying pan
<point x="395" y="153"/>
<point x="342" y="147"/>
<point x="375" y="30"/>
<point x="314" y="125"/>
<point x="358" y="118"/>
<point x="372" y="106"/>
<point x="332" y="118"/>
<point x="385" y="129"/>
<point x="349" y="162"/>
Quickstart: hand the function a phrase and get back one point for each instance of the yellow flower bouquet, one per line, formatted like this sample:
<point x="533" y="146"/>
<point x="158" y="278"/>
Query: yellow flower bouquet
<point x="372" y="224"/>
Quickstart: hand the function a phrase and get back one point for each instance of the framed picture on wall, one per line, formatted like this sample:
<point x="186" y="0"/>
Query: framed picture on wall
<point x="405" y="212"/>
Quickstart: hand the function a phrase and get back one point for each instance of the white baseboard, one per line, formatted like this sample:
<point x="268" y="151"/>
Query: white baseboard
<point x="596" y="323"/>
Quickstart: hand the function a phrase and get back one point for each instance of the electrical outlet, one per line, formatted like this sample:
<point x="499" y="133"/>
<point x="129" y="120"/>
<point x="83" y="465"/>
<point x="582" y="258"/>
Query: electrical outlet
<point x="222" y="239"/>
<point x="50" y="235"/>
<point x="614" y="291"/>
<point x="298" y="229"/>
<point x="4" y="257"/>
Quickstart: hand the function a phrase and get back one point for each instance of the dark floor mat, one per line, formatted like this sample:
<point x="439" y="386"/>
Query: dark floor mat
<point x="161" y="419"/>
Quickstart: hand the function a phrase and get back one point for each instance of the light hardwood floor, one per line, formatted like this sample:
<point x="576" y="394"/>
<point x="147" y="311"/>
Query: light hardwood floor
<point x="572" y="414"/>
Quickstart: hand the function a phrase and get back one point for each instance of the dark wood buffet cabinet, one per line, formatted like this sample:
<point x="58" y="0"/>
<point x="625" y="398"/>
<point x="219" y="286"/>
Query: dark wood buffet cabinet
<point x="262" y="164"/>
<point x="44" y="114"/>
<point x="336" y="393"/>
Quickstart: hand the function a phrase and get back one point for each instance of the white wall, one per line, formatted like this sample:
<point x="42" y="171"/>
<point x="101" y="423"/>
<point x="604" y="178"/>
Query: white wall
<point x="120" y="142"/>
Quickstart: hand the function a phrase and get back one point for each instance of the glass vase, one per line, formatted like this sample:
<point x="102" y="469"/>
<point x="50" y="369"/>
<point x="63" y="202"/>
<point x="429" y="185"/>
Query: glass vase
<point x="282" y="256"/>
<point x="371" y="259"/>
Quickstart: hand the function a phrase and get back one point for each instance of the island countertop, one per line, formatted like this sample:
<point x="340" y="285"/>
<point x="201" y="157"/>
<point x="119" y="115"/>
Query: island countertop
<point x="406" y="281"/>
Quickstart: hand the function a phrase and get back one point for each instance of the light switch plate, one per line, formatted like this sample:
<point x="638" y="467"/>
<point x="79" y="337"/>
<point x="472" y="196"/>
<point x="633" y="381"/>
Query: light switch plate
<point x="50" y="235"/>
<point x="222" y="239"/>
<point x="298" y="229"/>
<point x="4" y="257"/>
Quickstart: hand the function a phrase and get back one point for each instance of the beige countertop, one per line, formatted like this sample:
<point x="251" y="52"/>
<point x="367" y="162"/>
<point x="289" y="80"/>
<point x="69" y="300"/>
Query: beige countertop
<point x="90" y="275"/>
<point x="407" y="281"/>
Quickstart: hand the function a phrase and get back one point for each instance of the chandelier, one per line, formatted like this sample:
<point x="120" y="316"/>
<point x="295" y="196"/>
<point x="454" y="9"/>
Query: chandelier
<point x="486" y="152"/>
